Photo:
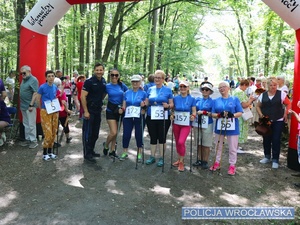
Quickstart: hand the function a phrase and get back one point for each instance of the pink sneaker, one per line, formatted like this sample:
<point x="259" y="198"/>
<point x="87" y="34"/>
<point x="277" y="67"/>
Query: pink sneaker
<point x="215" y="167"/>
<point x="231" y="170"/>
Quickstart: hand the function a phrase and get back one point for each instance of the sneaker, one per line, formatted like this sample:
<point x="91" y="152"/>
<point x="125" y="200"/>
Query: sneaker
<point x="265" y="160"/>
<point x="105" y="150"/>
<point x="150" y="161"/>
<point x="204" y="165"/>
<point x="24" y="143"/>
<point x="3" y="136"/>
<point x="160" y="162"/>
<point x="33" y="144"/>
<point x="139" y="157"/>
<point x="52" y="156"/>
<point x="69" y="140"/>
<point x="240" y="151"/>
<point x="231" y="170"/>
<point x="46" y="157"/>
<point x="215" y="167"/>
<point x="113" y="154"/>
<point x="275" y="165"/>
<point x="176" y="164"/>
<point x="197" y="163"/>
<point x="1" y="142"/>
<point x="124" y="156"/>
<point x="180" y="167"/>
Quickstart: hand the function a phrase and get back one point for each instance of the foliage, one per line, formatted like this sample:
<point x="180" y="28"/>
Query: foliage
<point x="192" y="37"/>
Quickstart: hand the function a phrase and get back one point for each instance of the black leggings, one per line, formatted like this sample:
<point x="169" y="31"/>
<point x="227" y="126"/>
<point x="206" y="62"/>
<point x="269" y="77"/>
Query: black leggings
<point x="62" y="121"/>
<point x="156" y="130"/>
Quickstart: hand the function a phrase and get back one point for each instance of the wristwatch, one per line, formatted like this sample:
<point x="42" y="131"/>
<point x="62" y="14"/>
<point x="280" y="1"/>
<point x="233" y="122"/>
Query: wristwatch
<point x="30" y="105"/>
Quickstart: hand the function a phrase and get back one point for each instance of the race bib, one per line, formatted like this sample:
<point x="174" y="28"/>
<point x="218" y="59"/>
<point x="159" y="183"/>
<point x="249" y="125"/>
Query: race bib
<point x="68" y="91"/>
<point x="204" y="122"/>
<point x="158" y="113"/>
<point x="52" y="106"/>
<point x="182" y="118"/>
<point x="133" y="112"/>
<point x="230" y="125"/>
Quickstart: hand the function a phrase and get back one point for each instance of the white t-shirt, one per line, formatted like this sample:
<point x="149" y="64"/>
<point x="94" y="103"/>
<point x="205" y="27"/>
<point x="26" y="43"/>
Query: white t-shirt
<point x="170" y="85"/>
<point x="284" y="88"/>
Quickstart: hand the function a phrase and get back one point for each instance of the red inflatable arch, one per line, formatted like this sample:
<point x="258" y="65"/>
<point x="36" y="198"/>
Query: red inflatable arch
<point x="45" y="15"/>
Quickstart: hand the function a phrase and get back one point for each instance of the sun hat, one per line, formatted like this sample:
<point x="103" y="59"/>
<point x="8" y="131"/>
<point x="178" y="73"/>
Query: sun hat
<point x="185" y="83"/>
<point x="207" y="85"/>
<point x="136" y="78"/>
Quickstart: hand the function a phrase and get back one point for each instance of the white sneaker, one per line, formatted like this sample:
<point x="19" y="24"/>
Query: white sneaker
<point x="52" y="156"/>
<point x="240" y="151"/>
<point x="1" y="142"/>
<point x="275" y="165"/>
<point x="46" y="157"/>
<point x="3" y="136"/>
<point x="265" y="160"/>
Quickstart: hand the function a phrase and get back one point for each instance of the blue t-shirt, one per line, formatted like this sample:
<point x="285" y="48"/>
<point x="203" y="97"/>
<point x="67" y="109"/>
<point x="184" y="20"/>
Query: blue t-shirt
<point x="205" y="104"/>
<point x="115" y="93"/>
<point x="184" y="104"/>
<point x="147" y="86"/>
<point x="157" y="96"/>
<point x="47" y="93"/>
<point x="134" y="98"/>
<point x="230" y="104"/>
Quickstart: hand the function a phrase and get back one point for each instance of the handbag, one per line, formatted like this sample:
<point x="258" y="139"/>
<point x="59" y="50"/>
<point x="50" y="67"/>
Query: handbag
<point x="263" y="126"/>
<point x="247" y="114"/>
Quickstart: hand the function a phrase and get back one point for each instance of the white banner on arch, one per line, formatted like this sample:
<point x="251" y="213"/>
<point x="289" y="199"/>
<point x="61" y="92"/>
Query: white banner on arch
<point x="45" y="15"/>
<point x="288" y="10"/>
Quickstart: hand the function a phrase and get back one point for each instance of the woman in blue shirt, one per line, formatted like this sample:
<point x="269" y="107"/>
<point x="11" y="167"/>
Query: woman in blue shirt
<point x="160" y="100"/>
<point x="134" y="99"/>
<point x="204" y="106"/>
<point x="115" y="91"/>
<point x="49" y="119"/>
<point x="226" y="108"/>
<point x="184" y="113"/>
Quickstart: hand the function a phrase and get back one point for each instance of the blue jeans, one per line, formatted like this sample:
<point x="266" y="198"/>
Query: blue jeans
<point x="272" y="142"/>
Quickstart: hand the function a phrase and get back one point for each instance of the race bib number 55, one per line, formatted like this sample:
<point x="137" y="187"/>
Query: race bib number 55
<point x="229" y="124"/>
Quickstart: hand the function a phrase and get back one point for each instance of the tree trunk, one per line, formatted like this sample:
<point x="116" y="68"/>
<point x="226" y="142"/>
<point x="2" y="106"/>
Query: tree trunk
<point x="56" y="47"/>
<point x="99" y="34"/>
<point x="81" y="38"/>
<point x="152" y="38"/>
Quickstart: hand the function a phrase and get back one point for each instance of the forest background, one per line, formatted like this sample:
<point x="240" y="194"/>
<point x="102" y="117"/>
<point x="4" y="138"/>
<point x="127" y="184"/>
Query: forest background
<point x="186" y="37"/>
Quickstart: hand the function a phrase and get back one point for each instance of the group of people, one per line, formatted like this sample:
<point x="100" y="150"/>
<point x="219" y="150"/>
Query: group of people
<point x="153" y="106"/>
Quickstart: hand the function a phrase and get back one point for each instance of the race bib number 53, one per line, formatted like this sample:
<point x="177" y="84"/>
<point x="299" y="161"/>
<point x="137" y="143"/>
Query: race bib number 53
<point x="158" y="113"/>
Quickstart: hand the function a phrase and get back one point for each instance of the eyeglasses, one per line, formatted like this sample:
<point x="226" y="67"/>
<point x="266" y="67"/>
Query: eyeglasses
<point x="158" y="78"/>
<point x="23" y="73"/>
<point x="181" y="86"/>
<point x="135" y="81"/>
<point x="114" y="75"/>
<point x="222" y="87"/>
<point x="205" y="89"/>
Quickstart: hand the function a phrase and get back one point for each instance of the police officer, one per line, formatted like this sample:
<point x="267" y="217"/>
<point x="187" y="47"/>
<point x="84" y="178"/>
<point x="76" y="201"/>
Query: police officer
<point x="92" y="96"/>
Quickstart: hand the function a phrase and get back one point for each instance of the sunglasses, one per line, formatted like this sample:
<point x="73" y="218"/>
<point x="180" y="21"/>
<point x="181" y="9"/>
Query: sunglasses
<point x="23" y="73"/>
<point x="183" y="86"/>
<point x="205" y="89"/>
<point x="114" y="75"/>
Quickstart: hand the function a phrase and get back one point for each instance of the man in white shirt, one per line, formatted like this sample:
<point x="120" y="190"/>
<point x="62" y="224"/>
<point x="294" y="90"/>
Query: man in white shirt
<point x="281" y="84"/>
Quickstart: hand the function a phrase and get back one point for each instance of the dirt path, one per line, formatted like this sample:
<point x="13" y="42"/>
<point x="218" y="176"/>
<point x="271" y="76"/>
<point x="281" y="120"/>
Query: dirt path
<point x="69" y="191"/>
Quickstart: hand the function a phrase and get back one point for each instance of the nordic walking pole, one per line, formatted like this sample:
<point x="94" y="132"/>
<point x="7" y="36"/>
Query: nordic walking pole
<point x="164" y="144"/>
<point x="223" y="142"/>
<point x="119" y="127"/>
<point x="172" y="149"/>
<point x="201" y="140"/>
<point x="191" y="150"/>
<point x="218" y="144"/>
